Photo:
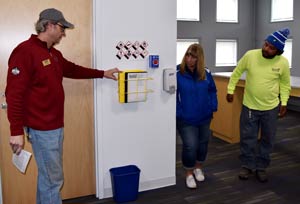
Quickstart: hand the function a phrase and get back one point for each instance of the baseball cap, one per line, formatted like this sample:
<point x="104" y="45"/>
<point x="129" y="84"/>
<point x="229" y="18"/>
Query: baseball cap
<point x="56" y="16"/>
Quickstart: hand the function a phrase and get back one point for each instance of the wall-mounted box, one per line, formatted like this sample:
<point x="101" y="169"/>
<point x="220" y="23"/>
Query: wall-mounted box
<point x="169" y="80"/>
<point x="133" y="86"/>
<point x="153" y="61"/>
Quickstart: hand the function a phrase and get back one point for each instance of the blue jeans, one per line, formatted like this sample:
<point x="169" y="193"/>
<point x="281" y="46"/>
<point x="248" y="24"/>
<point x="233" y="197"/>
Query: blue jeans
<point x="195" y="143"/>
<point x="47" y="149"/>
<point x="255" y="154"/>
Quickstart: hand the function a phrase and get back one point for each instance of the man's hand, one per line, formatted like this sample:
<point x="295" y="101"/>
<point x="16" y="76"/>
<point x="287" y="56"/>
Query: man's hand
<point x="229" y="98"/>
<point x="16" y="143"/>
<point x="110" y="73"/>
<point x="282" y="111"/>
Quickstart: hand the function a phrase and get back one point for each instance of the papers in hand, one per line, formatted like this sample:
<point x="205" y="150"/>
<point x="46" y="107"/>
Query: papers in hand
<point x="21" y="161"/>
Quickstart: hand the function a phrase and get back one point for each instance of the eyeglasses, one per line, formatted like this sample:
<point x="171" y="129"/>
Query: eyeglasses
<point x="62" y="28"/>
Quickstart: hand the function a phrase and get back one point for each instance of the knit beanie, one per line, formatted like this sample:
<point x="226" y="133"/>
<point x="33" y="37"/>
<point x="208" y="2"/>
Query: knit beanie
<point x="278" y="38"/>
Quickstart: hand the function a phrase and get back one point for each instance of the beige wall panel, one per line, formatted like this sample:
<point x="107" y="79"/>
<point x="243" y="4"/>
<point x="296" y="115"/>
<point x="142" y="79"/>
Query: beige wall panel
<point x="17" y="20"/>
<point x="225" y="124"/>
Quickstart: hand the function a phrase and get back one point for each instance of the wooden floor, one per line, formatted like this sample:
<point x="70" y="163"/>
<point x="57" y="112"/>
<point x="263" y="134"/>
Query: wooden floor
<point x="222" y="185"/>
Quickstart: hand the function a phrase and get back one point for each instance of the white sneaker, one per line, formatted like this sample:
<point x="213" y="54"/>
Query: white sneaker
<point x="190" y="182"/>
<point x="199" y="175"/>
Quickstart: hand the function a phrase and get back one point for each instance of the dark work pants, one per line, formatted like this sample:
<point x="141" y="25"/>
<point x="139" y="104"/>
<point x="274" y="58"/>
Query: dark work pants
<point x="255" y="154"/>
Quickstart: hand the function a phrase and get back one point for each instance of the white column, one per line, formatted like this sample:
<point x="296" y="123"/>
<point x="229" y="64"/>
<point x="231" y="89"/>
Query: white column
<point x="142" y="133"/>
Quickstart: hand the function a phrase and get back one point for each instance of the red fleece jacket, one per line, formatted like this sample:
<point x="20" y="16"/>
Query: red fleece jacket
<point x="34" y="91"/>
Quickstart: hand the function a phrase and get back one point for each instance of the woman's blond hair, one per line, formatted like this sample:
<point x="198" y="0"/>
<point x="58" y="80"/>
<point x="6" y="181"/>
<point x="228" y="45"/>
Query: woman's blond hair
<point x="196" y="51"/>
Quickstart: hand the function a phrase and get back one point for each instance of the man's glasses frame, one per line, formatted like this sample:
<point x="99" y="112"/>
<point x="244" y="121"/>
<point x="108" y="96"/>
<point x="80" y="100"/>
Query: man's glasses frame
<point x="61" y="26"/>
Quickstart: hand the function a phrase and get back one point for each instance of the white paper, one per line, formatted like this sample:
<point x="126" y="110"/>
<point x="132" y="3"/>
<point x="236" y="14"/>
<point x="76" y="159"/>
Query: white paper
<point x="136" y="87"/>
<point x="21" y="161"/>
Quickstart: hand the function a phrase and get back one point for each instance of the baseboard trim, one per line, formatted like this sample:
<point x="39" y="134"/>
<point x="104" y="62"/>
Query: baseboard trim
<point x="147" y="185"/>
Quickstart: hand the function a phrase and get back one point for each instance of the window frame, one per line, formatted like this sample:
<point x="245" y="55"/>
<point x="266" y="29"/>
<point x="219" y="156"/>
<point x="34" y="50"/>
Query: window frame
<point x="225" y="20"/>
<point x="274" y="19"/>
<point x="233" y="64"/>
<point x="192" y="40"/>
<point x="290" y="57"/>
<point x="189" y="19"/>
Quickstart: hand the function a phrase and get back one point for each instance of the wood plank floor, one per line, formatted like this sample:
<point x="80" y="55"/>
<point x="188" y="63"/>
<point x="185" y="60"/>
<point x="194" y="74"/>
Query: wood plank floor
<point x="221" y="169"/>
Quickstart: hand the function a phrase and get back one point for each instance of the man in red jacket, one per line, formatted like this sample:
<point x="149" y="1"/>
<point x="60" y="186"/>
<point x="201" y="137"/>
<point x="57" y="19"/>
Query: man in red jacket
<point x="35" y="99"/>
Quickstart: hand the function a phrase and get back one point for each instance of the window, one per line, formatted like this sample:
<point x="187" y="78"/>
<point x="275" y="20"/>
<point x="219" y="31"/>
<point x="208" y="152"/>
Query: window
<point x="226" y="52"/>
<point x="182" y="46"/>
<point x="188" y="10"/>
<point x="288" y="51"/>
<point x="227" y="11"/>
<point x="282" y="10"/>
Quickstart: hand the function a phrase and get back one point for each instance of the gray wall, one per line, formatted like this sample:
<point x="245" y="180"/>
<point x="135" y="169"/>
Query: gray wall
<point x="253" y="27"/>
<point x="207" y="30"/>
<point x="264" y="27"/>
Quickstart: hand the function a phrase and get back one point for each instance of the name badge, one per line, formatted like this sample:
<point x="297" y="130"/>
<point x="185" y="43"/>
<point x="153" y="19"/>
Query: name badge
<point x="46" y="62"/>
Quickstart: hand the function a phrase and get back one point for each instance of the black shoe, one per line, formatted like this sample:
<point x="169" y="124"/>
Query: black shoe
<point x="244" y="173"/>
<point x="261" y="175"/>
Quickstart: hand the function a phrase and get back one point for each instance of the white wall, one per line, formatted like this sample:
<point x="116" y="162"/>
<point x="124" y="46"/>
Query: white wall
<point x="141" y="133"/>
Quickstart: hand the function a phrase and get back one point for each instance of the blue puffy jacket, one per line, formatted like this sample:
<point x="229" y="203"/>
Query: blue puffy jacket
<point x="196" y="99"/>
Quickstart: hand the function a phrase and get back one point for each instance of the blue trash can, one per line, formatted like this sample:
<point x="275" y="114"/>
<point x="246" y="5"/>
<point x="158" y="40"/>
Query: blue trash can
<point x="125" y="183"/>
